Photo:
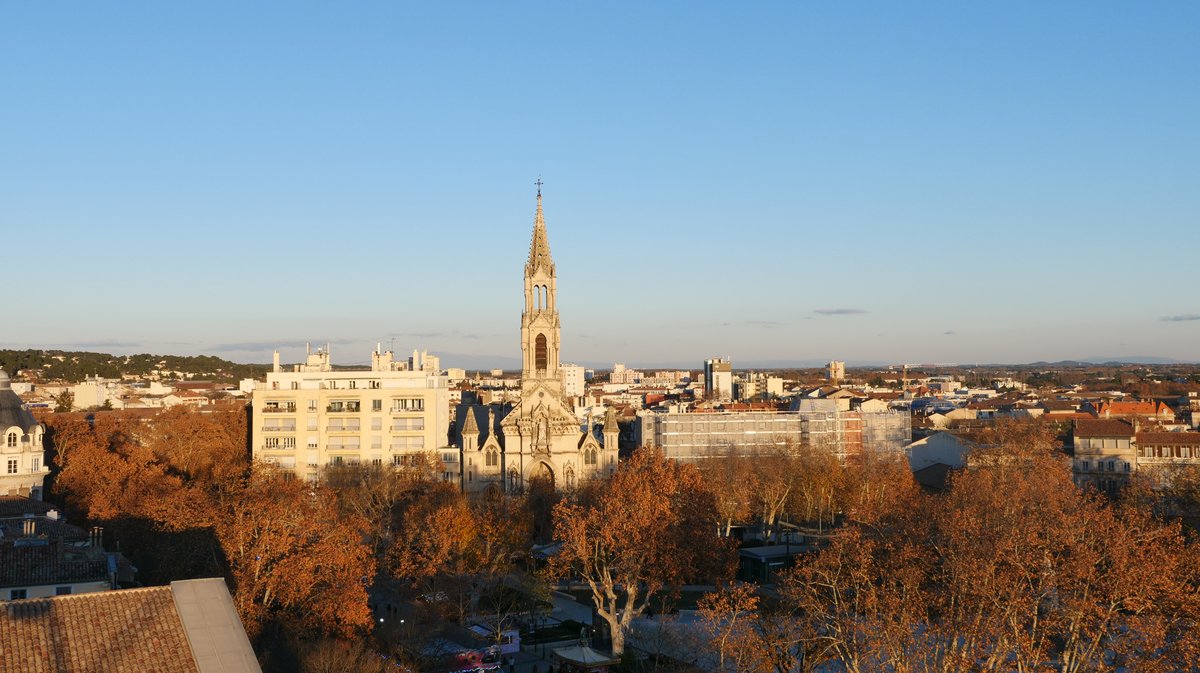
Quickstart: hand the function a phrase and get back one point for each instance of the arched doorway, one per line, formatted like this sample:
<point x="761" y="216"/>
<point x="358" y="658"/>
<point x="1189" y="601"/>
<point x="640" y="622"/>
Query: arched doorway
<point x="545" y="472"/>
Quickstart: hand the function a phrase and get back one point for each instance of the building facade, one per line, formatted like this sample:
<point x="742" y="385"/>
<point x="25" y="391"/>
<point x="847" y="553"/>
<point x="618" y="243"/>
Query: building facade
<point x="694" y="436"/>
<point x="22" y="455"/>
<point x="718" y="379"/>
<point x="314" y="416"/>
<point x="504" y="448"/>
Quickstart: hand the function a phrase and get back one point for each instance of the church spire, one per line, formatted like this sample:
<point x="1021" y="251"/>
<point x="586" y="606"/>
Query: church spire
<point x="539" y="247"/>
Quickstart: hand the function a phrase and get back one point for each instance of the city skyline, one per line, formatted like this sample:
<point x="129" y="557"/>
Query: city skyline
<point x="983" y="184"/>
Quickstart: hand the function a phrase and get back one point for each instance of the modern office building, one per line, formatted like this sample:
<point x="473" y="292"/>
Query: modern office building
<point x="694" y="436"/>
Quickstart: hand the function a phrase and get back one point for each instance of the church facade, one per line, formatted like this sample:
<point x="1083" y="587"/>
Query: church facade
<point x="504" y="448"/>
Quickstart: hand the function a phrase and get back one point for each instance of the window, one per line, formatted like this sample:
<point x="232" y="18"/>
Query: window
<point x="35" y="464"/>
<point x="408" y="404"/>
<point x="376" y="423"/>
<point x="540" y="356"/>
<point x="1112" y="466"/>
<point x="374" y="384"/>
<point x="12" y="439"/>
<point x="589" y="457"/>
<point x="312" y="441"/>
<point x="377" y="462"/>
<point x="376" y="405"/>
<point x="62" y="591"/>
<point x="353" y="385"/>
<point x="312" y="405"/>
<point x="12" y="466"/>
<point x="271" y="442"/>
<point x="493" y="459"/>
<point x="295" y="385"/>
<point x="408" y="424"/>
<point x="17" y="594"/>
<point x="289" y="442"/>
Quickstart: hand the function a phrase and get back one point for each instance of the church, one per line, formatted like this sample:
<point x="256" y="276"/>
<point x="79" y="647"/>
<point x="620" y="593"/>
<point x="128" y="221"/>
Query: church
<point x="504" y="447"/>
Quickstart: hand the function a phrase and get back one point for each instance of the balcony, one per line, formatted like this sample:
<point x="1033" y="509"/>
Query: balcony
<point x="291" y="409"/>
<point x="279" y="428"/>
<point x="344" y="407"/>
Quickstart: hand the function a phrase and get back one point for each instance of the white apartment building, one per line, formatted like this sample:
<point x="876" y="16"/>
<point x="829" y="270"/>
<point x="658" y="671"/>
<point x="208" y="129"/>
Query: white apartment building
<point x="315" y="416"/>
<point x="574" y="384"/>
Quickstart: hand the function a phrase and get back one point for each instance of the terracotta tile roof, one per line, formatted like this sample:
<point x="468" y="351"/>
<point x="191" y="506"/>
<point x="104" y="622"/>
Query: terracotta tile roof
<point x="1186" y="438"/>
<point x="1103" y="428"/>
<point x="132" y="631"/>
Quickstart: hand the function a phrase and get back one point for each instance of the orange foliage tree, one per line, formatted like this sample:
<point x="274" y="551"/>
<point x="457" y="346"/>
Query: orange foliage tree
<point x="182" y="479"/>
<point x="293" y="558"/>
<point x="648" y="527"/>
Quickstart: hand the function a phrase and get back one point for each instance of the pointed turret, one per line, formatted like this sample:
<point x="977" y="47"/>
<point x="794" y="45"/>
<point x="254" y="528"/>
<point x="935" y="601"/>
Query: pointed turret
<point x="612" y="432"/>
<point x="539" y="246"/>
<point x="610" y="421"/>
<point x="470" y="426"/>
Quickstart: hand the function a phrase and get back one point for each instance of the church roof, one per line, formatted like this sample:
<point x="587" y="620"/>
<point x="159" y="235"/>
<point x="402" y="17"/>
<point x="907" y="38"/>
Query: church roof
<point x="479" y="419"/>
<point x="539" y="246"/>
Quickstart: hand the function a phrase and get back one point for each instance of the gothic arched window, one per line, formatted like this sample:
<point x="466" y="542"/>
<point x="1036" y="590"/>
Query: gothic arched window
<point x="493" y="459"/>
<point x="540" y="354"/>
<point x="589" y="456"/>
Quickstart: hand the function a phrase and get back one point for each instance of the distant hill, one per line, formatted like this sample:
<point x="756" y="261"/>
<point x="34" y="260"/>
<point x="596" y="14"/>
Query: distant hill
<point x="78" y="365"/>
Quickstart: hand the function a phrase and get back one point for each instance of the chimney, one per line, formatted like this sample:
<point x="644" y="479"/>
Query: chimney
<point x="30" y="528"/>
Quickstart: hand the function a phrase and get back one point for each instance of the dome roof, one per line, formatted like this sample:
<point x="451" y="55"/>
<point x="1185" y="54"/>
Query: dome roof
<point x="12" y="409"/>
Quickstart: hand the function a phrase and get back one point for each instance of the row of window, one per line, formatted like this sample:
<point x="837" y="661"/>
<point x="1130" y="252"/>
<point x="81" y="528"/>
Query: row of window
<point x="334" y="407"/>
<point x="22" y="594"/>
<point x="13" y="465"/>
<point x="1167" y="452"/>
<point x="350" y="384"/>
<point x="1109" y="466"/>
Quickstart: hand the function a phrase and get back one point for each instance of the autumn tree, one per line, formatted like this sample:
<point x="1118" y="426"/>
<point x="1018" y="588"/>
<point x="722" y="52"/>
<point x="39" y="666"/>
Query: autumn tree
<point x="380" y="494"/>
<point x="294" y="559"/>
<point x="647" y="528"/>
<point x="207" y="448"/>
<point x="731" y="479"/>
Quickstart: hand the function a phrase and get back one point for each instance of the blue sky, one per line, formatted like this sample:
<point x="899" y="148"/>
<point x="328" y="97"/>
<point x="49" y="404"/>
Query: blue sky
<point x="949" y="182"/>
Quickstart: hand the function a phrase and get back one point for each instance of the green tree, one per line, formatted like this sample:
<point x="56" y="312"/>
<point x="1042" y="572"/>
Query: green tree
<point x="65" y="401"/>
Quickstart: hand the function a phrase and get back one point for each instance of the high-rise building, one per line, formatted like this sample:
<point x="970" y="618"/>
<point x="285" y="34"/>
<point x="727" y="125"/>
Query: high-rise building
<point x="718" y="379"/>
<point x="837" y="371"/>
<point x="574" y="384"/>
<point x="538" y="437"/>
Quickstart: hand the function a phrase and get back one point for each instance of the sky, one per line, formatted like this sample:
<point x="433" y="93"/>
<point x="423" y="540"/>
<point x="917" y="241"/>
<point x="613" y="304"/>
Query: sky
<point x="772" y="182"/>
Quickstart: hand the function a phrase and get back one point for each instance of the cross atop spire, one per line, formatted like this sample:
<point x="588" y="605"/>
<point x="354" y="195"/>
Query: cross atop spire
<point x="539" y="184"/>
